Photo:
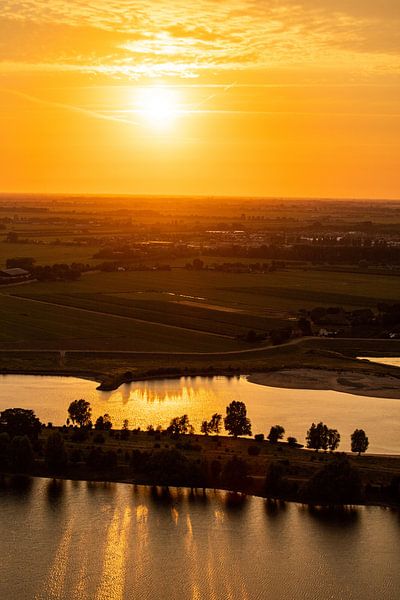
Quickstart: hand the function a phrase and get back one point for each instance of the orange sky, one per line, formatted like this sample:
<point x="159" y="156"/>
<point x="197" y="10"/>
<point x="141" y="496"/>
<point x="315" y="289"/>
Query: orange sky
<point x="243" y="97"/>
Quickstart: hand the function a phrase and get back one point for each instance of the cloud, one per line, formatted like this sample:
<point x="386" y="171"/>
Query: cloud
<point x="132" y="38"/>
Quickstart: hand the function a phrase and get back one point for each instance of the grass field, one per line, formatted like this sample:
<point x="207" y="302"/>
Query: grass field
<point x="46" y="254"/>
<point x="28" y="324"/>
<point x="161" y="299"/>
<point x="278" y="291"/>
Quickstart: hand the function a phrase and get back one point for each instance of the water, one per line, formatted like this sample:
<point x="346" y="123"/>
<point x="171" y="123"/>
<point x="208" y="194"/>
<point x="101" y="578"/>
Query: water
<point x="156" y="402"/>
<point x="393" y="360"/>
<point x="80" y="541"/>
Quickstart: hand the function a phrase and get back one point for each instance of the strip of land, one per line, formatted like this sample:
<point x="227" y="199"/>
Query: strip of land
<point x="350" y="382"/>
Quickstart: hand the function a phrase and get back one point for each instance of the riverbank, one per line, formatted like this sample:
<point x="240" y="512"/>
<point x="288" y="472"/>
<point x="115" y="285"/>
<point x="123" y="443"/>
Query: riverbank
<point x="348" y="381"/>
<point x="219" y="462"/>
<point x="310" y="362"/>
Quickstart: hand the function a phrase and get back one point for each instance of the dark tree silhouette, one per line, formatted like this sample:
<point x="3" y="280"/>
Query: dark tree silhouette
<point x="215" y="423"/>
<point x="80" y="412"/>
<point x="205" y="427"/>
<point x="333" y="439"/>
<point x="180" y="425"/>
<point x="21" y="453"/>
<point x="317" y="437"/>
<point x="103" y="423"/>
<point x="234" y="473"/>
<point x="359" y="441"/>
<point x="19" y="421"/>
<point x="276" y="433"/>
<point x="236" y="421"/>
<point x="273" y="480"/>
<point x="336" y="483"/>
<point x="55" y="453"/>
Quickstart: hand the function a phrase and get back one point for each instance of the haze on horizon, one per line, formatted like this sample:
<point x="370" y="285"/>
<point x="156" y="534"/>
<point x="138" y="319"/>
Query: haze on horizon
<point x="239" y="97"/>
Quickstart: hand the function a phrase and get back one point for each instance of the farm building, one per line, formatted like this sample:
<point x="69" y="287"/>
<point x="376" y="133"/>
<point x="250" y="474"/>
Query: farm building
<point x="16" y="274"/>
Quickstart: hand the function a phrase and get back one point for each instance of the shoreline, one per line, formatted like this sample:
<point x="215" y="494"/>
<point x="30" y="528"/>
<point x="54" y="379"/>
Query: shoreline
<point x="367" y="384"/>
<point x="338" y="380"/>
<point x="255" y="494"/>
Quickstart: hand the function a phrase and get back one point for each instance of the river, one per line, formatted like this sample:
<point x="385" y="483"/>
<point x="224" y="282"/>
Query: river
<point x="156" y="402"/>
<point x="70" y="540"/>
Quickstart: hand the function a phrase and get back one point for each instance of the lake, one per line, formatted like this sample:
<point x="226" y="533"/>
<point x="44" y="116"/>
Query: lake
<point x="156" y="402"/>
<point x="65" y="540"/>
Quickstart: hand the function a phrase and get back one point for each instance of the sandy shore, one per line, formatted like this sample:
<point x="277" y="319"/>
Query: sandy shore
<point x="351" y="382"/>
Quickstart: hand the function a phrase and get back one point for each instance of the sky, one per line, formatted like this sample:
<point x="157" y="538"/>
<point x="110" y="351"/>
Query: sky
<point x="296" y="98"/>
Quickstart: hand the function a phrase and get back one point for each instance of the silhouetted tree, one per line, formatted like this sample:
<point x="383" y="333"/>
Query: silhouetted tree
<point x="21" y="453"/>
<point x="234" y="473"/>
<point x="333" y="439"/>
<point x="273" y="480"/>
<point x="359" y="441"/>
<point x="180" y="425"/>
<point x="215" y="423"/>
<point x="20" y="421"/>
<point x="336" y="483"/>
<point x="4" y="448"/>
<point x="317" y="437"/>
<point x="80" y="412"/>
<point x="103" y="423"/>
<point x="205" y="427"/>
<point x="55" y="453"/>
<point x="236" y="421"/>
<point x="276" y="433"/>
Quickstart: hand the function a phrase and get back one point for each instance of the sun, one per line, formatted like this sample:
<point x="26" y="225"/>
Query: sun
<point x="159" y="106"/>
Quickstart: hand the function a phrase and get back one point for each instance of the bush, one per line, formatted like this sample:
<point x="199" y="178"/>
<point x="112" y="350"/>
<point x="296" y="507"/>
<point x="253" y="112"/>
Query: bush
<point x="259" y="437"/>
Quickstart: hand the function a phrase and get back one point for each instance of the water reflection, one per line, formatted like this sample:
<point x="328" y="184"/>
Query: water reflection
<point x="156" y="402"/>
<point x="122" y="542"/>
<point x="339" y="516"/>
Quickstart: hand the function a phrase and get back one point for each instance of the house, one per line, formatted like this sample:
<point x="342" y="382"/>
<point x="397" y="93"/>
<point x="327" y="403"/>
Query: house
<point x="13" y="275"/>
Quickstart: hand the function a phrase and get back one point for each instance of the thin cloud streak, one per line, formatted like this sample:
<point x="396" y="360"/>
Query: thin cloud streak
<point x="69" y="107"/>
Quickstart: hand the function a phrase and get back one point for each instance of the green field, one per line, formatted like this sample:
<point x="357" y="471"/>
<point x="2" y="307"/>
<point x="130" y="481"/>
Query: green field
<point x="278" y="291"/>
<point x="48" y="254"/>
<point x="178" y="310"/>
<point x="28" y="324"/>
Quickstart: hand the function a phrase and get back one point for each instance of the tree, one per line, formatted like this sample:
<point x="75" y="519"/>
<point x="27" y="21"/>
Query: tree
<point x="55" y="453"/>
<point x="205" y="427"/>
<point x="276" y="433"/>
<point x="273" y="479"/>
<point x="236" y="421"/>
<point x="80" y="412"/>
<point x="20" y="421"/>
<point x="21" y="453"/>
<point x="234" y="474"/>
<point x="180" y="425"/>
<point x="317" y="437"/>
<point x="333" y="439"/>
<point x="215" y="423"/>
<point x="335" y="483"/>
<point x="103" y="423"/>
<point x="359" y="441"/>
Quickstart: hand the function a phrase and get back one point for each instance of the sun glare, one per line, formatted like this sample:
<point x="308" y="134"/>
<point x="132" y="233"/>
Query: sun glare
<point x="158" y="106"/>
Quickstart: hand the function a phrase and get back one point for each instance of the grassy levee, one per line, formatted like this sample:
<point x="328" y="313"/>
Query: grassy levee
<point x="112" y="368"/>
